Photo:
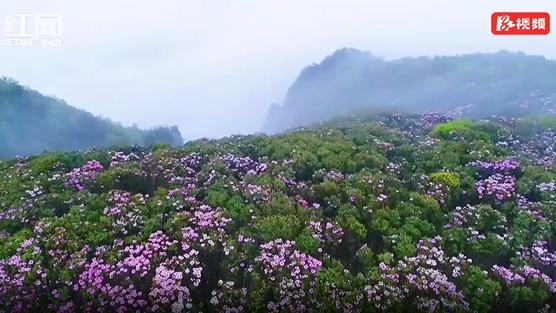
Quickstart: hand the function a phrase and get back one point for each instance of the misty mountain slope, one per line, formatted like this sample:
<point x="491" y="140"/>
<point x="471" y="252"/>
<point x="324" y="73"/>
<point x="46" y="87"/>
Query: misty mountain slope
<point x="31" y="123"/>
<point x="477" y="85"/>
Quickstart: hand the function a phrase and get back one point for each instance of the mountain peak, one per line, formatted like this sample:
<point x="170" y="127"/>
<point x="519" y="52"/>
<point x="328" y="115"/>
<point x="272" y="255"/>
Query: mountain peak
<point x="351" y="80"/>
<point x="351" y="54"/>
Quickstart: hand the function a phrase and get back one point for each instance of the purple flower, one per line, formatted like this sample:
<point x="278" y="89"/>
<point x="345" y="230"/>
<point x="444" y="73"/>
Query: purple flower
<point x="78" y="176"/>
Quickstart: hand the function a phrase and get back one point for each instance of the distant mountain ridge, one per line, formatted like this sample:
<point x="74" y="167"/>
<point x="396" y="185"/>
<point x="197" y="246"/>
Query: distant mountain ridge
<point x="31" y="123"/>
<point x="476" y="85"/>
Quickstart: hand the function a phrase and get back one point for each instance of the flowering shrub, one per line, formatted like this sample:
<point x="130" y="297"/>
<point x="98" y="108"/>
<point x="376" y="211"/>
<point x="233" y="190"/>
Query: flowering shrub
<point x="504" y="166"/>
<point x="423" y="279"/>
<point x="78" y="176"/>
<point x="498" y="187"/>
<point x="292" y="275"/>
<point x="125" y="212"/>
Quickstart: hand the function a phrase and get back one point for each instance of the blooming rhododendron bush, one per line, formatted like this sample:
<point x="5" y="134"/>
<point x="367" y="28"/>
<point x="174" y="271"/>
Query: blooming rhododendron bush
<point x="385" y="213"/>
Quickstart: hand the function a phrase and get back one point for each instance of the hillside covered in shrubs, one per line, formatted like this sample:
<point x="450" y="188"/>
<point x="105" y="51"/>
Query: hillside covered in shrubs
<point x="31" y="123"/>
<point x="385" y="213"/>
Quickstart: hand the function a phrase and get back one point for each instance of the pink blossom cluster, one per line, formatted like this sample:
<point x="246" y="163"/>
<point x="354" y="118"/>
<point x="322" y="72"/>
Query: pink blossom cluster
<point x="394" y="168"/>
<point x="168" y="168"/>
<point x="507" y="166"/>
<point x="382" y="197"/>
<point x="431" y="119"/>
<point x="76" y="178"/>
<point x="386" y="292"/>
<point x="184" y="193"/>
<point x="429" y="142"/>
<point x="205" y="217"/>
<point x="167" y="290"/>
<point x="245" y="239"/>
<point x="180" y="170"/>
<point x="228" y="298"/>
<point x="59" y="250"/>
<point x="436" y="190"/>
<point x="463" y="216"/>
<point x="121" y="157"/>
<point x="293" y="274"/>
<point x="425" y="272"/>
<point x="531" y="208"/>
<point x="9" y="214"/>
<point x="17" y="291"/>
<point x="326" y="233"/>
<point x="520" y="277"/>
<point x="422" y="278"/>
<point x="539" y="253"/>
<point x="256" y="192"/>
<point x="244" y="165"/>
<point x="290" y="183"/>
<point x="307" y="205"/>
<point x="137" y="258"/>
<point x="334" y="176"/>
<point x="345" y="299"/>
<point x="469" y="217"/>
<point x="383" y="145"/>
<point x="541" y="149"/>
<point x="498" y="187"/>
<point x="125" y="211"/>
<point x="114" y="287"/>
<point x="547" y="187"/>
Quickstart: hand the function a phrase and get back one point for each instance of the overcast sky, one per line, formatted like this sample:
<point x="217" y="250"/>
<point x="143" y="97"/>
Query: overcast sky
<point x="213" y="67"/>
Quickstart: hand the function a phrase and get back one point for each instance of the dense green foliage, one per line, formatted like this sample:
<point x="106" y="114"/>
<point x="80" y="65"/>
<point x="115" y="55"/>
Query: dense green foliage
<point x="31" y="123"/>
<point x="443" y="130"/>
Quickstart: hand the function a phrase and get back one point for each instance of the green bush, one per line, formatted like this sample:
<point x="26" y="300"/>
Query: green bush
<point x="481" y="291"/>
<point x="278" y="226"/>
<point x="445" y="129"/>
<point x="446" y="179"/>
